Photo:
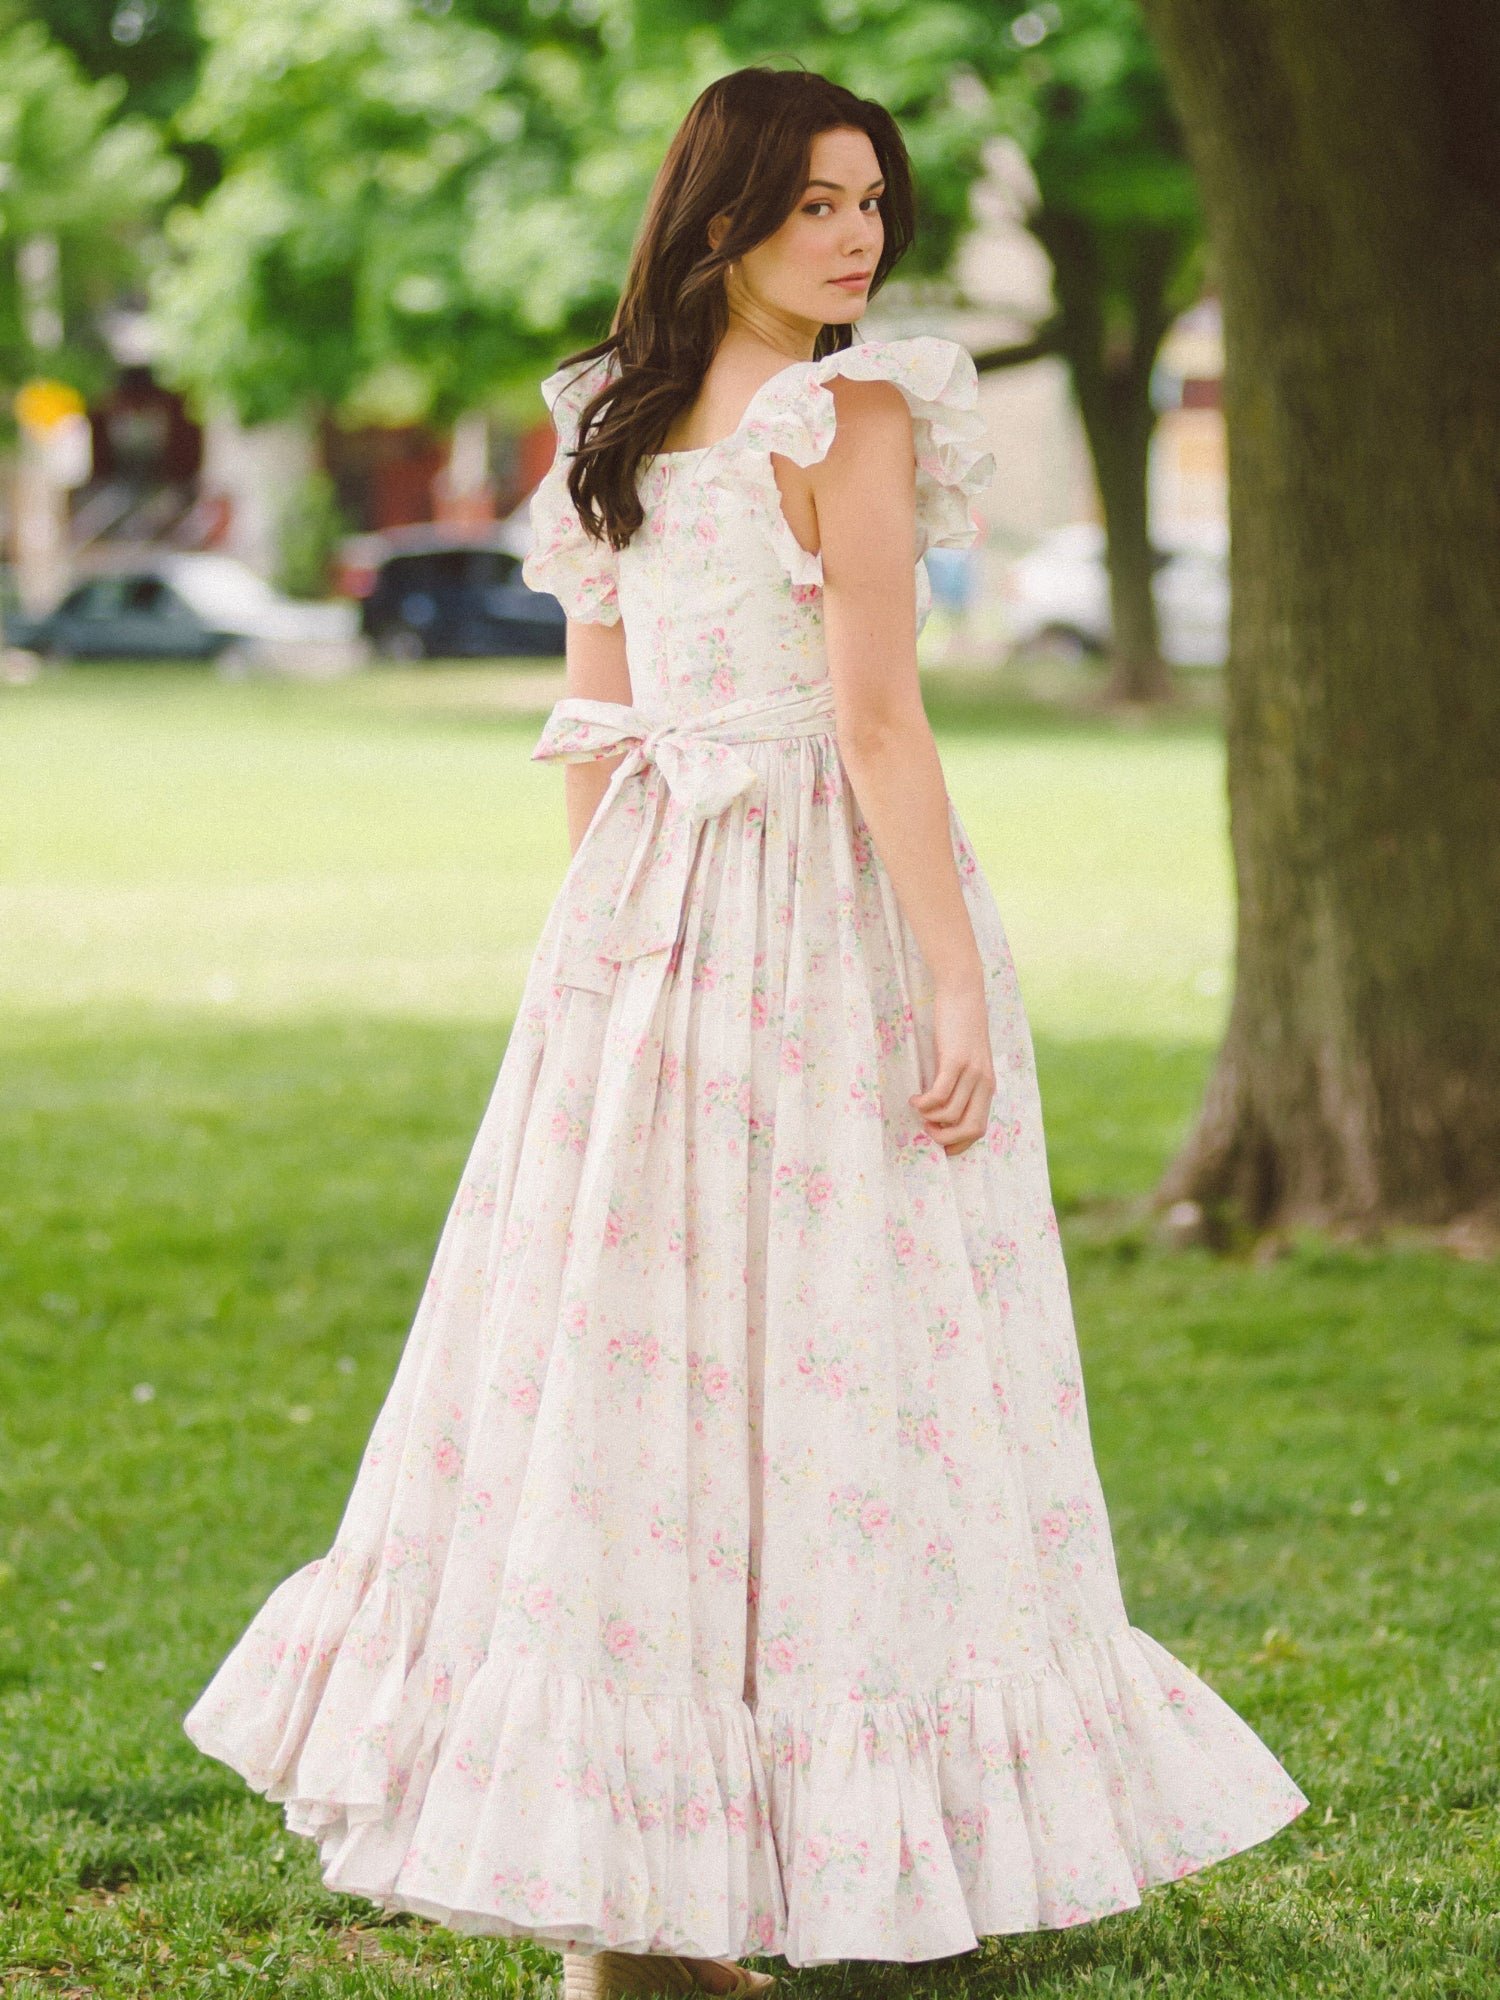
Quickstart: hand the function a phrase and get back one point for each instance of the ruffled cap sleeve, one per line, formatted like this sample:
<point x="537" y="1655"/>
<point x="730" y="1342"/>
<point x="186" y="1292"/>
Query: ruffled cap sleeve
<point x="793" y="415"/>
<point x="581" y="574"/>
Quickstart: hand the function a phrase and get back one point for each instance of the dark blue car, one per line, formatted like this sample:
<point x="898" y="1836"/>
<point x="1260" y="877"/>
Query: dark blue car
<point x="440" y="594"/>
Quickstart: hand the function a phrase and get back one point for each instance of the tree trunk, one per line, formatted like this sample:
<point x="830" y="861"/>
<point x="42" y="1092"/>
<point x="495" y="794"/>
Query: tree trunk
<point x="1109" y="335"/>
<point x="1350" y="166"/>
<point x="1118" y="421"/>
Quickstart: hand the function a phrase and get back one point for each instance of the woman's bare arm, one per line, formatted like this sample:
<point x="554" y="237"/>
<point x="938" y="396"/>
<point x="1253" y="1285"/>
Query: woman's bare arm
<point x="596" y="672"/>
<point x="864" y="494"/>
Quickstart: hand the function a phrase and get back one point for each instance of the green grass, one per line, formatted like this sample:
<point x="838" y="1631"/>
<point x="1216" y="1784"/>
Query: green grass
<point x="385" y="847"/>
<point x="231" y="1201"/>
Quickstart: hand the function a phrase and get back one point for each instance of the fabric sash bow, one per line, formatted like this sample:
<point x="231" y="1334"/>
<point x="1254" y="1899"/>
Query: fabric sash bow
<point x="624" y="893"/>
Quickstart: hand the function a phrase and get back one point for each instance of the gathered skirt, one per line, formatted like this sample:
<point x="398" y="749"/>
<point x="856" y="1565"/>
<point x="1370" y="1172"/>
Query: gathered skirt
<point x="727" y="1570"/>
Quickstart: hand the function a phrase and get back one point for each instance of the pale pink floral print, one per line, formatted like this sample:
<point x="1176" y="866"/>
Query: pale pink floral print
<point x="728" y="1570"/>
<point x="634" y="1350"/>
<point x="727" y="1560"/>
<point x="781" y="1654"/>
<point x="620" y="1638"/>
<point x="538" y="1601"/>
<point x="822" y="1367"/>
<point x="944" y="1336"/>
<point x="870" y="1515"/>
<point x="667" y="1531"/>
<point x="903" y="1244"/>
<point x="813" y="1185"/>
<point x="710" y="1377"/>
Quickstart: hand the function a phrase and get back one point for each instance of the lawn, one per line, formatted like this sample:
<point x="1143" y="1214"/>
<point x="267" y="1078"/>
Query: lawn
<point x="258" y="945"/>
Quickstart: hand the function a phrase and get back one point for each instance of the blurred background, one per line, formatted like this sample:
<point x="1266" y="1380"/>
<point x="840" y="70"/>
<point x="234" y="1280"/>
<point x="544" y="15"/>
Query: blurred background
<point x="282" y="281"/>
<point x="278" y="282"/>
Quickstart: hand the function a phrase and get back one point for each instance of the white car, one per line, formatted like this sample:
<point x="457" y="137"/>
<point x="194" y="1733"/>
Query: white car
<point x="267" y="628"/>
<point x="1057" y="596"/>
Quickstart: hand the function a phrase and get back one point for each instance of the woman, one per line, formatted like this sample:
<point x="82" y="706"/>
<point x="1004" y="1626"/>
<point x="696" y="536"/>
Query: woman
<point x="728" y="1570"/>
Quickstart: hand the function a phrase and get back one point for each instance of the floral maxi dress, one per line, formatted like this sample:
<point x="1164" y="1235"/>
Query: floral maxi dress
<point x="727" y="1570"/>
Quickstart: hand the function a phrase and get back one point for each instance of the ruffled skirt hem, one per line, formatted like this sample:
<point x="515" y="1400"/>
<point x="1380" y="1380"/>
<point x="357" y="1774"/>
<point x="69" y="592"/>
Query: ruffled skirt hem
<point x="501" y="1799"/>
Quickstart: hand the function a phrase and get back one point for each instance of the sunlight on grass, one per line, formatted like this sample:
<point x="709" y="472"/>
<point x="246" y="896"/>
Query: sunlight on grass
<point x="208" y="1266"/>
<point x="258" y="945"/>
<point x="386" y="847"/>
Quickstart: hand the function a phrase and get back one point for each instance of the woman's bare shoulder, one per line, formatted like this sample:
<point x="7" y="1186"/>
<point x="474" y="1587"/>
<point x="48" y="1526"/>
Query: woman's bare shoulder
<point x="872" y="429"/>
<point x="870" y="408"/>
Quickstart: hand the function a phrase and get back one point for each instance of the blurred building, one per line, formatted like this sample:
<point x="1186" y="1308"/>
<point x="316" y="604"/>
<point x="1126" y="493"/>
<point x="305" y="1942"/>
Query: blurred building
<point x="1190" y="459"/>
<point x="161" y="476"/>
<point x="1043" y="477"/>
<point x="248" y="473"/>
<point x="384" y="476"/>
<point x="147" y="461"/>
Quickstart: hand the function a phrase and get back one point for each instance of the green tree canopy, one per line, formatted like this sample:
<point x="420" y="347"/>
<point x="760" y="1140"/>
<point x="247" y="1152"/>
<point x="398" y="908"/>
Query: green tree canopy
<point x="424" y="205"/>
<point x="152" y="46"/>
<point x="418" y="210"/>
<point x="79" y="190"/>
<point x="410" y="215"/>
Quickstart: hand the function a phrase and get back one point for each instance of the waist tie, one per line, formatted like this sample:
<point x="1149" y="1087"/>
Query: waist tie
<point x="623" y="895"/>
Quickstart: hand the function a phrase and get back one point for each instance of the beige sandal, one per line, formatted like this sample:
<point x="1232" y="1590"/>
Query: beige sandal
<point x="747" y="1982"/>
<point x="634" y="1975"/>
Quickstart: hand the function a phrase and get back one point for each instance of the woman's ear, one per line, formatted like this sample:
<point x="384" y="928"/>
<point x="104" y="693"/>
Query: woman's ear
<point x="718" y="229"/>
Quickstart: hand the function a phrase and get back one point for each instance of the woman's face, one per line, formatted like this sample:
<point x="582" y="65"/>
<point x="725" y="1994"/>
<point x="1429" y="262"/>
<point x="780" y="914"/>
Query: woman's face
<point x="818" y="265"/>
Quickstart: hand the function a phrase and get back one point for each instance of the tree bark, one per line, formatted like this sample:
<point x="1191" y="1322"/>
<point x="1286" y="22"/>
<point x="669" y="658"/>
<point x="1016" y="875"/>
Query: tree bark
<point x="1349" y="160"/>
<point x="1110" y="336"/>
<point x="1110" y="357"/>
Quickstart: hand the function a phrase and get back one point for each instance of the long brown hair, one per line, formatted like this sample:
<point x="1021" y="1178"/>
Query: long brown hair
<point x="742" y="151"/>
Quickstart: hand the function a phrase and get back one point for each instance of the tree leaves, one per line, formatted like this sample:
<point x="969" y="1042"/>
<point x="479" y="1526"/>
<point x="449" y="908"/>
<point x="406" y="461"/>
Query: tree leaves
<point x="71" y="172"/>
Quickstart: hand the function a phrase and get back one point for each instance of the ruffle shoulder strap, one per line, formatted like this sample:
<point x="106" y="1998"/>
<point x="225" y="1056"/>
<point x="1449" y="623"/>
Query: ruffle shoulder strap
<point x="793" y="414"/>
<point x="580" y="573"/>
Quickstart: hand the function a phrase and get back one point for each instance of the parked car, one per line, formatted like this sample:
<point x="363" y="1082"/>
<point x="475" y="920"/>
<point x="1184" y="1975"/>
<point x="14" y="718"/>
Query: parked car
<point x="441" y="593"/>
<point x="188" y="606"/>
<point x="1057" y="596"/>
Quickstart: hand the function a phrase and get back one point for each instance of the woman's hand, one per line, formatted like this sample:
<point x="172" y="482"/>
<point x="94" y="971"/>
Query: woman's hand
<point x="955" y="1107"/>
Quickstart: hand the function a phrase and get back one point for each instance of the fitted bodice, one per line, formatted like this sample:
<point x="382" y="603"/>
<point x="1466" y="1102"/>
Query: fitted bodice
<point x="710" y="613"/>
<point x="720" y="602"/>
